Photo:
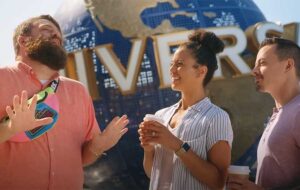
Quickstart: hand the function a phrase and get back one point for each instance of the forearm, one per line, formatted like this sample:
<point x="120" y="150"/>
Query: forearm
<point x="293" y="186"/>
<point x="203" y="170"/>
<point x="148" y="162"/>
<point x="5" y="131"/>
<point x="91" y="151"/>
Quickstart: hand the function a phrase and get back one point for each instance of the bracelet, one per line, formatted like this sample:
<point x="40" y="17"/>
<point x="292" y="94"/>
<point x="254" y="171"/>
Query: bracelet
<point x="97" y="154"/>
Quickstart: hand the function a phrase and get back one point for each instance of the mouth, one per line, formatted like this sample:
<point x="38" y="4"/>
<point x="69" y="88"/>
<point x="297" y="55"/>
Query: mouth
<point x="258" y="79"/>
<point x="175" y="78"/>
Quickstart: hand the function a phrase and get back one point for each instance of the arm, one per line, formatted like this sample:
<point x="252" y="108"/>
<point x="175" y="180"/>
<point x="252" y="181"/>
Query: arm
<point x="21" y="117"/>
<point x="104" y="141"/>
<point x="148" y="149"/>
<point x="236" y="183"/>
<point x="212" y="172"/>
<point x="148" y="162"/>
<point x="5" y="131"/>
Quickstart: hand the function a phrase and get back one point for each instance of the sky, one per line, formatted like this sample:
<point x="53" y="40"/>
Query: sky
<point x="12" y="12"/>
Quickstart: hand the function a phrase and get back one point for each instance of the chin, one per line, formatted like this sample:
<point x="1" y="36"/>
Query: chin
<point x="260" y="88"/>
<point x="175" y="88"/>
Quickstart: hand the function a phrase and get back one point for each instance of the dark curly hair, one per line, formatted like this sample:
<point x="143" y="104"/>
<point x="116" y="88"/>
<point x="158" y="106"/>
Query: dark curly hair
<point x="204" y="47"/>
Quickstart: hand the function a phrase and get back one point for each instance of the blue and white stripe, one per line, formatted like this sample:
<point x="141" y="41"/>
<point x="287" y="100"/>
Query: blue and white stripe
<point x="203" y="125"/>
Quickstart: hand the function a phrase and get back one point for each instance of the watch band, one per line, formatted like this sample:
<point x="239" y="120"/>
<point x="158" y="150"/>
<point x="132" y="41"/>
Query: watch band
<point x="183" y="149"/>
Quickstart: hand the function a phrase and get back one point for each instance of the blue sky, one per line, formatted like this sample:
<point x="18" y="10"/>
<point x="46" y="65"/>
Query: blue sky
<point x="12" y="12"/>
<point x="284" y="11"/>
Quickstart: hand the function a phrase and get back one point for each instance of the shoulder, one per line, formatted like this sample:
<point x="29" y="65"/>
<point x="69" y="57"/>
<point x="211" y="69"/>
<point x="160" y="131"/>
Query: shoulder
<point x="72" y="85"/>
<point x="8" y="70"/>
<point x="217" y="112"/>
<point x="166" y="110"/>
<point x="10" y="74"/>
<point x="291" y="113"/>
<point x="296" y="117"/>
<point x="70" y="82"/>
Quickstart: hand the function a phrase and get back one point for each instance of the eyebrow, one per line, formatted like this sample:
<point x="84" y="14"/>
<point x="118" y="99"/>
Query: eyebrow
<point x="179" y="60"/>
<point x="259" y="61"/>
<point x="46" y="26"/>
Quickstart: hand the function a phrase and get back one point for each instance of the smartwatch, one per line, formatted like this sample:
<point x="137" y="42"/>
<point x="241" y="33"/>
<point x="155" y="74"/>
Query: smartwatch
<point x="183" y="149"/>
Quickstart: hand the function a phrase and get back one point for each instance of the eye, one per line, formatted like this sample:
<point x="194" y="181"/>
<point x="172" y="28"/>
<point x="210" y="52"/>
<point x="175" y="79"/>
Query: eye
<point x="180" y="63"/>
<point x="176" y="64"/>
<point x="260" y="63"/>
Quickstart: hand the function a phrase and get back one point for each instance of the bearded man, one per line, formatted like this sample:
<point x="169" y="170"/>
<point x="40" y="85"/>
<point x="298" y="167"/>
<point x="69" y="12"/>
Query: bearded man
<point x="46" y="141"/>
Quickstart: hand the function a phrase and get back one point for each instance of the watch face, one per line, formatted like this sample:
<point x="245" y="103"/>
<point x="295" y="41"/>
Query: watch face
<point x="186" y="146"/>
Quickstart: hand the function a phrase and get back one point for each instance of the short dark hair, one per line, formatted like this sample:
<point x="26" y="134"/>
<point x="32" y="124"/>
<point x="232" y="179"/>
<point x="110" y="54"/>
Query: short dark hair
<point x="26" y="26"/>
<point x="285" y="49"/>
<point x="204" y="47"/>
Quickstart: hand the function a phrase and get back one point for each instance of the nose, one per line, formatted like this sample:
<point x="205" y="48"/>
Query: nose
<point x="56" y="36"/>
<point x="172" y="67"/>
<point x="254" y="71"/>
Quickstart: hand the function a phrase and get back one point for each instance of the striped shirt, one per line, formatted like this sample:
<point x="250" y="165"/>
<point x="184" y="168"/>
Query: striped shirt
<point x="203" y="125"/>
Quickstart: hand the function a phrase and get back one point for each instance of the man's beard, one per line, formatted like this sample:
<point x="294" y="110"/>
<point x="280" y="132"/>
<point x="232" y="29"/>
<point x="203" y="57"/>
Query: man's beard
<point x="47" y="53"/>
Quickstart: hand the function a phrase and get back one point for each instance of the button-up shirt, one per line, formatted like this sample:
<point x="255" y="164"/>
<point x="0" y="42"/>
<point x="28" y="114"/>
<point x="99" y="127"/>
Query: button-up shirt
<point x="54" y="160"/>
<point x="202" y="126"/>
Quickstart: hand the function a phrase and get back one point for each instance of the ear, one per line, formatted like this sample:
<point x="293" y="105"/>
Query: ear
<point x="290" y="64"/>
<point x="201" y="70"/>
<point x="22" y="40"/>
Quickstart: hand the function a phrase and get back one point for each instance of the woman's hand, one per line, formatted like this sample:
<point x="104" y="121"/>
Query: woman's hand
<point x="152" y="132"/>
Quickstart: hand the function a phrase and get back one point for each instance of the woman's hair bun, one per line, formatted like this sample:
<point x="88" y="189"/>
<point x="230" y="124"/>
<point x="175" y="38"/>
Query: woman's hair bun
<point x="208" y="40"/>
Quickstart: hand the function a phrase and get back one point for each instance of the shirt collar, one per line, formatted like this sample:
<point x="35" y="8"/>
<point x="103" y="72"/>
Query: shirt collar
<point x="27" y="69"/>
<point x="24" y="67"/>
<point x="199" y="106"/>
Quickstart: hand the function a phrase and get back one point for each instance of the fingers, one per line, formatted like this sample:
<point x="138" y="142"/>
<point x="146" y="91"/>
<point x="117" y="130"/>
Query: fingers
<point x="32" y="105"/>
<point x="10" y="112"/>
<point x="155" y="123"/>
<point x="119" y="122"/>
<point x="123" y="131"/>
<point x="153" y="126"/>
<point x="234" y="183"/>
<point x="24" y="98"/>
<point x="115" y="119"/>
<point x="123" y="121"/>
<point x="117" y="126"/>
<point x="22" y="104"/>
<point x="16" y="102"/>
<point x="234" y="179"/>
<point x="43" y="121"/>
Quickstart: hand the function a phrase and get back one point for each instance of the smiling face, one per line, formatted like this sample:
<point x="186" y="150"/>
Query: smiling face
<point x="269" y="71"/>
<point x="186" y="74"/>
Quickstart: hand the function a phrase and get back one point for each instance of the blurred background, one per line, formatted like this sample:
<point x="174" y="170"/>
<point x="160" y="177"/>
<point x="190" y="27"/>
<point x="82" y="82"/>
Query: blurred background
<point x="90" y="25"/>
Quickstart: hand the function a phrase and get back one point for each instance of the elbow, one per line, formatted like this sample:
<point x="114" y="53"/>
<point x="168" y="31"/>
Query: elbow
<point x="216" y="186"/>
<point x="219" y="183"/>
<point x="219" y="186"/>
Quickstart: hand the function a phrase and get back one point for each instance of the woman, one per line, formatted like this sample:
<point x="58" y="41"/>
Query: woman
<point x="192" y="150"/>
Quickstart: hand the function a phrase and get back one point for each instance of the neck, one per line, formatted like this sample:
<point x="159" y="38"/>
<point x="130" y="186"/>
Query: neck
<point x="190" y="98"/>
<point x="285" y="94"/>
<point x="42" y="72"/>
